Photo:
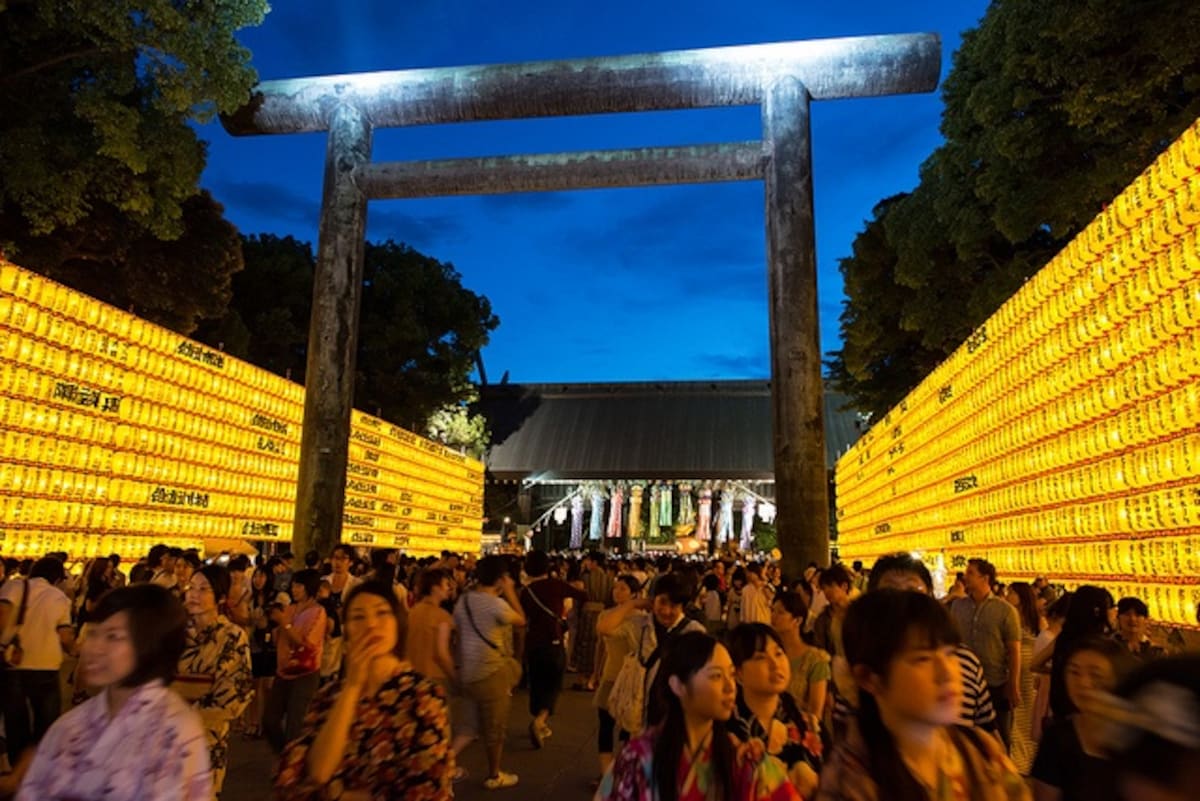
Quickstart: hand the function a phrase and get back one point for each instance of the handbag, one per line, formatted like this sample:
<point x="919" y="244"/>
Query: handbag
<point x="627" y="698"/>
<point x="627" y="701"/>
<point x="511" y="665"/>
<point x="302" y="660"/>
<point x="13" y="653"/>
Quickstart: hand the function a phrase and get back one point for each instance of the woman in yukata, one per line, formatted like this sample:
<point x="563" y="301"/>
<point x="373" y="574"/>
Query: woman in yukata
<point x="214" y="672"/>
<point x="137" y="739"/>
<point x="690" y="755"/>
<point x="904" y="744"/>
<point x="382" y="731"/>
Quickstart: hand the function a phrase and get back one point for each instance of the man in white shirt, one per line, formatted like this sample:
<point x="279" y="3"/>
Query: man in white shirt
<point x="30" y="697"/>
<point x="756" y="597"/>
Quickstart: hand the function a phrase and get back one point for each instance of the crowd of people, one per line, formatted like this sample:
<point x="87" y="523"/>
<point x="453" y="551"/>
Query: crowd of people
<point x="712" y="678"/>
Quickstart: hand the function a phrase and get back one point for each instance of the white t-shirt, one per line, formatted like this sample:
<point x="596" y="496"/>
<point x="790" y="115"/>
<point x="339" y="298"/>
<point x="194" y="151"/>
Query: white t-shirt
<point x="1043" y="641"/>
<point x="818" y="606"/>
<point x="47" y="610"/>
<point x="756" y="605"/>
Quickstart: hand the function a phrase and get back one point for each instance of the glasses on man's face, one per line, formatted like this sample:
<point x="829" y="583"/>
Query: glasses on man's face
<point x="341" y="557"/>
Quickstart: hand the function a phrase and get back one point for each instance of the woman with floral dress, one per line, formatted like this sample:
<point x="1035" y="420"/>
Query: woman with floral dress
<point x="382" y="731"/>
<point x="214" y="671"/>
<point x="137" y="739"/>
<point x="691" y="756"/>
<point x="766" y="712"/>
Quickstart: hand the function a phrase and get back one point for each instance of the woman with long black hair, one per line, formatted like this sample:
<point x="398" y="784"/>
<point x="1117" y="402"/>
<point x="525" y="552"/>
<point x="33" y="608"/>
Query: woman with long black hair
<point x="766" y="711"/>
<point x="690" y="755"/>
<point x="903" y="745"/>
<point x="1092" y="613"/>
<point x="1024" y="748"/>
<point x="263" y="598"/>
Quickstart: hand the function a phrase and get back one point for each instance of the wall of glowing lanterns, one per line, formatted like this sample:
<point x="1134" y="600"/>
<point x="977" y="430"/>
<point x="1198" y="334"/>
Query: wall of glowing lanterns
<point x="1063" y="438"/>
<point x="116" y="434"/>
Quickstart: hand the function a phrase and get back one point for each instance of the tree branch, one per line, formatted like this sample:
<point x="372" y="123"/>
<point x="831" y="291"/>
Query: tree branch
<point x="21" y="73"/>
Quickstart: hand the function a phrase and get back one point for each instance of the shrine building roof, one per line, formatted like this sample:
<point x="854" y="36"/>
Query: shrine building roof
<point x="649" y="430"/>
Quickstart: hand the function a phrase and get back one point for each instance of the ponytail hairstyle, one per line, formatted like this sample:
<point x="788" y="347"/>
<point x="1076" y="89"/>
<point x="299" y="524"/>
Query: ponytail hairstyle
<point x="687" y="656"/>
<point x="879" y="627"/>
<point x="748" y="639"/>
<point x="630" y="581"/>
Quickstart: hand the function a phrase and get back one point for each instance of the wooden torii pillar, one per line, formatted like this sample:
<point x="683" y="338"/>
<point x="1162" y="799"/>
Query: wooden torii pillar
<point x="782" y="78"/>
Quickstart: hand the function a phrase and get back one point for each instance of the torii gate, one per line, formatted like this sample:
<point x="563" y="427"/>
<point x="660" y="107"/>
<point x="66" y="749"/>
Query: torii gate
<point x="782" y="78"/>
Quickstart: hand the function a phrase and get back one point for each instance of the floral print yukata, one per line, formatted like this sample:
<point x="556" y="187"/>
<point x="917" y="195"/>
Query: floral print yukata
<point x="398" y="747"/>
<point x="222" y="651"/>
<point x="632" y="775"/>
<point x="847" y="776"/>
<point x="154" y="748"/>
<point x="795" y="741"/>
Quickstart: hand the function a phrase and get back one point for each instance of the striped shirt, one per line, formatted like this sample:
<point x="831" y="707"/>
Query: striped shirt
<point x="977" y="710"/>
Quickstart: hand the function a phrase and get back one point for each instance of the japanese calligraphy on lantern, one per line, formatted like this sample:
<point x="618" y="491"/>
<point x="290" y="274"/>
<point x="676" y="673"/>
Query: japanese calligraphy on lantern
<point x="1063" y="438"/>
<point x="116" y="433"/>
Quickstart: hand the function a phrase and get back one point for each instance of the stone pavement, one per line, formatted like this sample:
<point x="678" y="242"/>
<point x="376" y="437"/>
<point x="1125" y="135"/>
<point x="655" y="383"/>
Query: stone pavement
<point x="560" y="771"/>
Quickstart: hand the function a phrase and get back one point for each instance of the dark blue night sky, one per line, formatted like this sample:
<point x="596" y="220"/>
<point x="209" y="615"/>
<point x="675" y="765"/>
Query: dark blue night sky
<point x="595" y="285"/>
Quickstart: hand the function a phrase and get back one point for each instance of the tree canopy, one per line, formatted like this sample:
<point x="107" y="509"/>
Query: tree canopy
<point x="99" y="167"/>
<point x="420" y="330"/>
<point x="1050" y="111"/>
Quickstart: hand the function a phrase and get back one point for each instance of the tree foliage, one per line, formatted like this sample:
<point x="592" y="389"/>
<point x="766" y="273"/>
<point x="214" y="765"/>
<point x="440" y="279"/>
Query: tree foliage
<point x="460" y="426"/>
<point x="99" y="167"/>
<point x="1050" y="110"/>
<point x="419" y="329"/>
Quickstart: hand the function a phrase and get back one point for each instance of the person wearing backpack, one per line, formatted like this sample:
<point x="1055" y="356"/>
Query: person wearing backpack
<point x="542" y="601"/>
<point x="650" y="637"/>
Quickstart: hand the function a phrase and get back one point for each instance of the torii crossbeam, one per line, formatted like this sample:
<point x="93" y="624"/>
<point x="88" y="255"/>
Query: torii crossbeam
<point x="782" y="78"/>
